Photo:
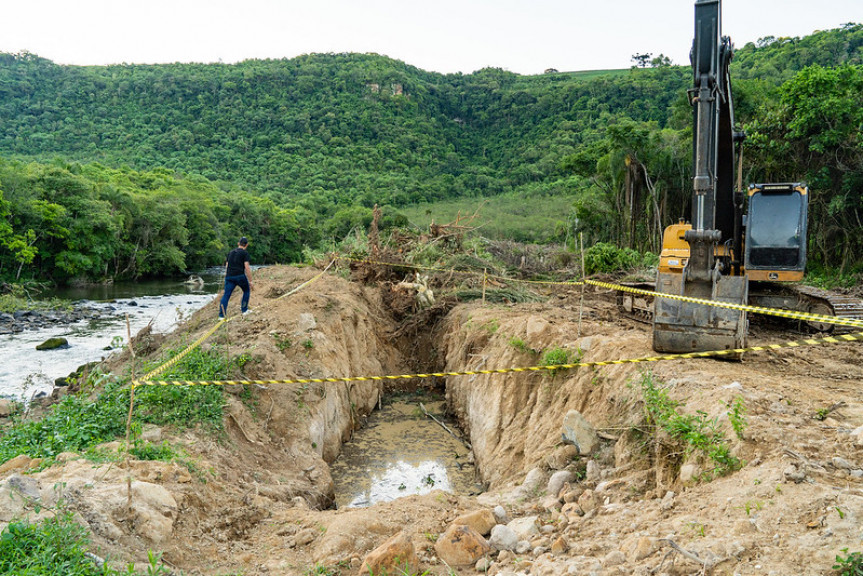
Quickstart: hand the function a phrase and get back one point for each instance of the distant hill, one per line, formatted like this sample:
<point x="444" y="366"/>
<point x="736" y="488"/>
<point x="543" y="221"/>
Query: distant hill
<point x="327" y="136"/>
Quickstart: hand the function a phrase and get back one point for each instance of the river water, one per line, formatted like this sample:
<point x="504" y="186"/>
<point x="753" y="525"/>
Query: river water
<point x="24" y="371"/>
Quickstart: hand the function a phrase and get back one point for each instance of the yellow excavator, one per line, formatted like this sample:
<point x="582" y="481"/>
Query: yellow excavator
<point x="739" y="245"/>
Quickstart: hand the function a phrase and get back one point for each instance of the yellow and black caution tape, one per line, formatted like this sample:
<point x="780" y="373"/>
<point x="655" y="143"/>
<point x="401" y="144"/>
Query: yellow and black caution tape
<point x="853" y="322"/>
<point x="156" y="371"/>
<point x="839" y="321"/>
<point x="160" y="369"/>
<point x="853" y="337"/>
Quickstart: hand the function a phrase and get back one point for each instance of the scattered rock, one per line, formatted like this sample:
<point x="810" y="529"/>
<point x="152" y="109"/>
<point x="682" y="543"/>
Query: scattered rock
<point x="154" y="510"/>
<point x="645" y="547"/>
<point x="306" y="536"/>
<point x="503" y="538"/>
<point x="525" y="528"/>
<point x="480" y="520"/>
<point x="461" y="546"/>
<point x="792" y="474"/>
<point x="53" y="344"/>
<point x="615" y="558"/>
<point x="482" y="565"/>
<point x="562" y="457"/>
<point x="579" y="432"/>
<point x="393" y="556"/>
<point x="557" y="480"/>
<point x="500" y="514"/>
<point x="8" y="407"/>
<point x="571" y="510"/>
<point x="573" y="494"/>
<point x="688" y="473"/>
<point x="26" y="486"/>
<point x="593" y="472"/>
<point x="305" y="323"/>
<point x="532" y="482"/>
<point x="587" y="501"/>
<point x="21" y="462"/>
<point x="560" y="546"/>
<point x="523" y="547"/>
<point x="667" y="501"/>
<point x="151" y="433"/>
<point x="551" y="503"/>
<point x="842" y="463"/>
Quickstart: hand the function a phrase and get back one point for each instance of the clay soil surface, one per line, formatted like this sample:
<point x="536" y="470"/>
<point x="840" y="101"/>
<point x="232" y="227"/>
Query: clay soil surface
<point x="258" y="499"/>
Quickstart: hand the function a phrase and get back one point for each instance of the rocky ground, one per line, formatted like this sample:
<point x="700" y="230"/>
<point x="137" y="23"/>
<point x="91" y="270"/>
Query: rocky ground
<point x="627" y="499"/>
<point x="22" y="320"/>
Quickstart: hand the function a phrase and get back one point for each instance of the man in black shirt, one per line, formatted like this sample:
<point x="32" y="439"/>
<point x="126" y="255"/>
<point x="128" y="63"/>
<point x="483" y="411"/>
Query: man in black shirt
<point x="237" y="273"/>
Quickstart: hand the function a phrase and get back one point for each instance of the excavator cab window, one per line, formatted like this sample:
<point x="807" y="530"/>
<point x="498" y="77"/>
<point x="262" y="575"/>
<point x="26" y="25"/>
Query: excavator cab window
<point x="776" y="227"/>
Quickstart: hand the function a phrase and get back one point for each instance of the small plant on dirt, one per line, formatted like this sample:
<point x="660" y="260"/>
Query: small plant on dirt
<point x="851" y="565"/>
<point x="492" y="326"/>
<point x="241" y="360"/>
<point x="559" y="356"/>
<point x="322" y="570"/>
<point x="300" y="393"/>
<point x="697" y="528"/>
<point x="148" y="451"/>
<point x="521" y="345"/>
<point x="751" y="506"/>
<point x="696" y="432"/>
<point x="308" y="344"/>
<point x="282" y="342"/>
<point x="58" y="545"/>
<point x="737" y="416"/>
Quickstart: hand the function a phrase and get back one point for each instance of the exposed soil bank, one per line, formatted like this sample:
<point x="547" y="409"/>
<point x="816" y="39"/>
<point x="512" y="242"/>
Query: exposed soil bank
<point x="258" y="507"/>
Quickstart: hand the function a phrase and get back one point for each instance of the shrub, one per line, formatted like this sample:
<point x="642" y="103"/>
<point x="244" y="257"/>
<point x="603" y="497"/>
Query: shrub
<point x="606" y="258"/>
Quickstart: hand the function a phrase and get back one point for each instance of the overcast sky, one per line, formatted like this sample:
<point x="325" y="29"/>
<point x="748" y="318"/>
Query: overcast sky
<point x="523" y="36"/>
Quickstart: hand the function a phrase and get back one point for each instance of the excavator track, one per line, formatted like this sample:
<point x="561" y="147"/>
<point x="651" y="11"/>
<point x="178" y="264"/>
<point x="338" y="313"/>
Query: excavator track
<point x="840" y="305"/>
<point x="799" y="298"/>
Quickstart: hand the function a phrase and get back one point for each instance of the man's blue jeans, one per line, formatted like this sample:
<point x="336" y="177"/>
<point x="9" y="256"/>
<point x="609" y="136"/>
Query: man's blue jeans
<point x="232" y="282"/>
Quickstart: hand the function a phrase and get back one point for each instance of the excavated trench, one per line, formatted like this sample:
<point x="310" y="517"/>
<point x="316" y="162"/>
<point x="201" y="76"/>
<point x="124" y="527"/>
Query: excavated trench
<point x="264" y="496"/>
<point x="411" y="444"/>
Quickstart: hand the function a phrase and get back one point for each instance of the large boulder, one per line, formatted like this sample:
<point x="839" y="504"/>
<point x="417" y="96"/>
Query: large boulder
<point x="53" y="344"/>
<point x="480" y="520"/>
<point x="461" y="546"/>
<point x="579" y="432"/>
<point x="503" y="538"/>
<point x="395" y="556"/>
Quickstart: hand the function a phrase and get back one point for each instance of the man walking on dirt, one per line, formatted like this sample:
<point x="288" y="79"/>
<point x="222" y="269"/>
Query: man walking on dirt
<point x="237" y="273"/>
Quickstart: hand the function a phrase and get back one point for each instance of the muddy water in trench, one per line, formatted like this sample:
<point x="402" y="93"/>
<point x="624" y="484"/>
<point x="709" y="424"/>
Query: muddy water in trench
<point x="399" y="452"/>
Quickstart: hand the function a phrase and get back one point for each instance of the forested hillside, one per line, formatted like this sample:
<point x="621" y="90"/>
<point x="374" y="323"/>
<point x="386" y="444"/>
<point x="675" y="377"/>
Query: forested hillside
<point x="324" y="137"/>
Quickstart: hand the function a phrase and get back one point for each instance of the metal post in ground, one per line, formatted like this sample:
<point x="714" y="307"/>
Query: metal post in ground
<point x="583" y="283"/>
<point x="129" y="418"/>
<point x="484" y="280"/>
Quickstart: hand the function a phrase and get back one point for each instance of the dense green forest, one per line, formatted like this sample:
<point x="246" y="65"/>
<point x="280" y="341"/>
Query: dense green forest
<point x="131" y="170"/>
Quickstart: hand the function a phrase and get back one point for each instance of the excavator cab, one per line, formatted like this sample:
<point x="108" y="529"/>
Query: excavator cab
<point x="776" y="232"/>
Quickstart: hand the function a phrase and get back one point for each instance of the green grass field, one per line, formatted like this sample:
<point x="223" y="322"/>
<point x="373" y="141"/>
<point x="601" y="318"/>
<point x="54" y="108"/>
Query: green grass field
<point x="503" y="217"/>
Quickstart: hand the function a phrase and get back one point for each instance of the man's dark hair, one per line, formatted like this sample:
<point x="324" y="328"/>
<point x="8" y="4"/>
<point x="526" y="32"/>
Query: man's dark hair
<point x="244" y="241"/>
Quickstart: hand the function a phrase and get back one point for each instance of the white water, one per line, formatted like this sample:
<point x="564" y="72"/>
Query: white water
<point x="25" y="371"/>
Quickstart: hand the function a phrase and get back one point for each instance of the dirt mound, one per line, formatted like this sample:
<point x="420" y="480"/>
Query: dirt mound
<point x="641" y="503"/>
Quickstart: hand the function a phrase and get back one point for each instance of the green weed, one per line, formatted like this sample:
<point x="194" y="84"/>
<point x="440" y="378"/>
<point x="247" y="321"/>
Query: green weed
<point x="696" y="432"/>
<point x="78" y="422"/>
<point x="521" y="346"/>
<point x="851" y="565"/>
<point x="282" y="342"/>
<point x="558" y="356"/>
<point x="737" y="416"/>
<point x="58" y="545"/>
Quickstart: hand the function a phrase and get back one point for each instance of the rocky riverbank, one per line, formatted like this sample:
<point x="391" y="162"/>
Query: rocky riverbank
<point x="22" y="320"/>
